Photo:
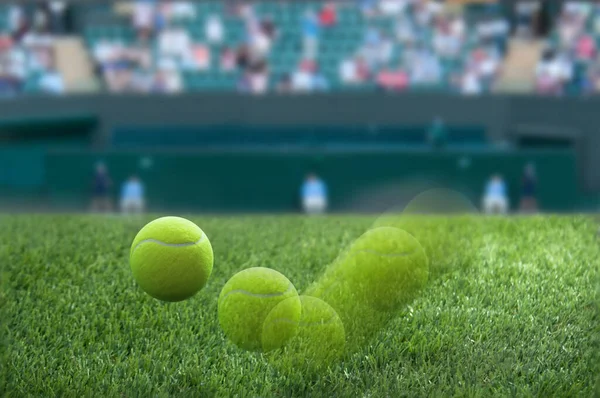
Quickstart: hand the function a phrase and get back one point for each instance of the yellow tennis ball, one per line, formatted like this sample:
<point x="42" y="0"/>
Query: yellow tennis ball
<point x="246" y="300"/>
<point x="385" y="268"/>
<point x="171" y="258"/>
<point x="319" y="338"/>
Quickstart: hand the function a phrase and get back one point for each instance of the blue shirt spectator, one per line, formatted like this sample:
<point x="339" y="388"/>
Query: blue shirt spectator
<point x="132" y="189"/>
<point x="314" y="195"/>
<point x="310" y="25"/>
<point x="495" y="200"/>
<point x="496" y="188"/>
<point x="132" y="196"/>
<point x="320" y="82"/>
<point x="372" y="37"/>
<point x="314" y="187"/>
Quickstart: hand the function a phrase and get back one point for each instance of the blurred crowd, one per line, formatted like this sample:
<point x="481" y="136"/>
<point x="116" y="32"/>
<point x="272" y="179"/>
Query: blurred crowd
<point x="404" y="44"/>
<point x="392" y="45"/>
<point x="437" y="47"/>
<point x="163" y="50"/>
<point x="27" y="53"/>
<point x="571" y="62"/>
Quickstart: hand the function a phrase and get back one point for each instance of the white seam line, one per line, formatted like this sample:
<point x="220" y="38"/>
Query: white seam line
<point x="300" y="323"/>
<point x="184" y="244"/>
<point x="404" y="254"/>
<point x="247" y="293"/>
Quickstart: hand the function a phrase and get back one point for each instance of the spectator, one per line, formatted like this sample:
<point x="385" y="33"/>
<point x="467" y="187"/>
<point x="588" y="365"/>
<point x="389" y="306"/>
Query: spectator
<point x="362" y="72"/>
<point x="347" y="71"/>
<point x="445" y="43"/>
<point x="392" y="80"/>
<point x="405" y="30"/>
<point x="17" y="23"/>
<point x="284" y="86"/>
<point x="227" y="59"/>
<point x="553" y="72"/>
<point x="302" y="79"/>
<point x="199" y="59"/>
<point x="144" y="16"/>
<point x="525" y="13"/>
<point x="51" y="82"/>
<point x="328" y="15"/>
<point x="585" y="48"/>
<point x="528" y="190"/>
<point x="310" y="35"/>
<point x="385" y="50"/>
<point x="314" y="195"/>
<point x="167" y="79"/>
<point x="132" y="196"/>
<point x="174" y="43"/>
<point x="424" y="12"/>
<point x="392" y="7"/>
<point x="58" y="12"/>
<point x="424" y="68"/>
<point x="182" y="10"/>
<point x="495" y="200"/>
<point x="214" y="30"/>
<point x="368" y="8"/>
<point x="437" y="135"/>
<point x="10" y="85"/>
<point x="469" y="82"/>
<point x="101" y="201"/>
<point x="320" y="82"/>
<point x="371" y="50"/>
<point x="593" y="78"/>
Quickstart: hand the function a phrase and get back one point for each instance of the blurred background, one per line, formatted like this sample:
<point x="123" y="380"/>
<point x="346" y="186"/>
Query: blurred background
<point x="298" y="106"/>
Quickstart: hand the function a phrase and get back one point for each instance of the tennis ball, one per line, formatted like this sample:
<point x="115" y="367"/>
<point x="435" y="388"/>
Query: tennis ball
<point x="383" y="268"/>
<point x="319" y="339"/>
<point x="246" y="300"/>
<point x="171" y="258"/>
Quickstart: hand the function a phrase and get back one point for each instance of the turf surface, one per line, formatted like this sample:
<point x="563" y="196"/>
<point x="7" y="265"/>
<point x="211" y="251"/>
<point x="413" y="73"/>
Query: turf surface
<point x="510" y="310"/>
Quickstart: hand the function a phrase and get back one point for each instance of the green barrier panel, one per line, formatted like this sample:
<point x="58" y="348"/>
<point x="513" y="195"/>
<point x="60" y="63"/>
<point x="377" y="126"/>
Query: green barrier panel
<point x="252" y="181"/>
<point x="236" y="135"/>
<point x="55" y="129"/>
<point x="21" y="168"/>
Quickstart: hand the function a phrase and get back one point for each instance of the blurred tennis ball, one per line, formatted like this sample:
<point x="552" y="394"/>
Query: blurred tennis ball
<point x="319" y="338"/>
<point x="247" y="299"/>
<point x="384" y="268"/>
<point x="171" y="258"/>
<point x="370" y="281"/>
<point x="436" y="218"/>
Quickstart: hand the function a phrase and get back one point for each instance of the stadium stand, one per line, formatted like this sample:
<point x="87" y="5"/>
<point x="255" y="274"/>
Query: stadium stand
<point x="27" y="52"/>
<point x="298" y="47"/>
<point x="570" y="64"/>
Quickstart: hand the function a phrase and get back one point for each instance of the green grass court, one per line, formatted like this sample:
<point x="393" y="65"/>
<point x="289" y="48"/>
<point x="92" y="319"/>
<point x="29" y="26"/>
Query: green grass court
<point x="511" y="309"/>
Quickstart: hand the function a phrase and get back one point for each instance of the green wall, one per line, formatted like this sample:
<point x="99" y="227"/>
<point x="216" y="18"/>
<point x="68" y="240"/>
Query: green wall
<point x="269" y="181"/>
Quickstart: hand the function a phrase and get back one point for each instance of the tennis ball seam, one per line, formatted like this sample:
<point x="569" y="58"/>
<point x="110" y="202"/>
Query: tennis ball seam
<point x="301" y="323"/>
<point x="159" y="242"/>
<point x="262" y="295"/>
<point x="382" y="254"/>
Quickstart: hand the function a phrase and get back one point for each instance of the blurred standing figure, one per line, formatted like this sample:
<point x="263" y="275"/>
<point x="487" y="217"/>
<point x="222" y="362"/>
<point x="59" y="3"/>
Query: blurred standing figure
<point x="132" y="196"/>
<point x="310" y="35"/>
<point x="495" y="199"/>
<point x="101" y="201"/>
<point x="437" y="135"/>
<point x="314" y="195"/>
<point x="528" y="190"/>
